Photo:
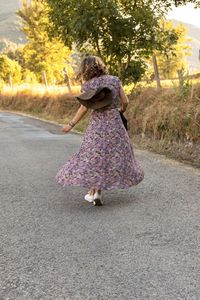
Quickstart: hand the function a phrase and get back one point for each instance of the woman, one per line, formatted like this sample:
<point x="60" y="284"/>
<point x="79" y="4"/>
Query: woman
<point x="106" y="159"/>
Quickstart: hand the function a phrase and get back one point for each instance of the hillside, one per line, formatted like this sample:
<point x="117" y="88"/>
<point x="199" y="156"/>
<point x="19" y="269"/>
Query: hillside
<point x="9" y="28"/>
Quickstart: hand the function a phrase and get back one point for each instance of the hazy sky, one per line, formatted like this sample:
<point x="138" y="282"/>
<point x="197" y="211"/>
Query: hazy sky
<point x="186" y="14"/>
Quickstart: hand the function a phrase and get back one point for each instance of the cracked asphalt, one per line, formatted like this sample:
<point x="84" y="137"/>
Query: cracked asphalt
<point x="142" y="244"/>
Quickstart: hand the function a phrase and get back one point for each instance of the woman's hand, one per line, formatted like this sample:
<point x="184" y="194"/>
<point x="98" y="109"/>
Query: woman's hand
<point x="123" y="108"/>
<point x="79" y="114"/>
<point x="124" y="100"/>
<point x="66" y="128"/>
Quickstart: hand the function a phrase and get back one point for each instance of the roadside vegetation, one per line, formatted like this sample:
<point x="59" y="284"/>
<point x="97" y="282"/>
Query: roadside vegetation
<point x="165" y="121"/>
<point x="138" y="44"/>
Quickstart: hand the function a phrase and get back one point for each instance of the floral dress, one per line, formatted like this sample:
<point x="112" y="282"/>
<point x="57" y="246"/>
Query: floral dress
<point x="106" y="158"/>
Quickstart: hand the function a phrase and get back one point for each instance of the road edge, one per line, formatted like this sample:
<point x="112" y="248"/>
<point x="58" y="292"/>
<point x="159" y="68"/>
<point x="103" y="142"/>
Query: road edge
<point x="40" y="119"/>
<point x="168" y="160"/>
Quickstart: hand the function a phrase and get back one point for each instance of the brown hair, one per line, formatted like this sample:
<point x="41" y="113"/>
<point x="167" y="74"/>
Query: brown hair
<point x="91" y="66"/>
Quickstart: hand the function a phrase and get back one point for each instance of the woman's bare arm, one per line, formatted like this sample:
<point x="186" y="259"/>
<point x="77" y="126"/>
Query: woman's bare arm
<point x="78" y="116"/>
<point x="124" y="101"/>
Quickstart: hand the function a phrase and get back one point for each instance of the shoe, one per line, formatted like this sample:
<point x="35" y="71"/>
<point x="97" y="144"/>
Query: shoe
<point x="97" y="200"/>
<point x="89" y="198"/>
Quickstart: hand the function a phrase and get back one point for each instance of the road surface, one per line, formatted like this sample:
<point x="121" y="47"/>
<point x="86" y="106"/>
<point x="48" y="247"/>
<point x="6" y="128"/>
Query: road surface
<point x="144" y="243"/>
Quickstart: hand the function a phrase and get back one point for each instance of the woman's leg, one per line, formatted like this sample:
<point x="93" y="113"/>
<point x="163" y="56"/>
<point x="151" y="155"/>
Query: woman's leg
<point x="97" y="191"/>
<point x="97" y="197"/>
<point x="92" y="191"/>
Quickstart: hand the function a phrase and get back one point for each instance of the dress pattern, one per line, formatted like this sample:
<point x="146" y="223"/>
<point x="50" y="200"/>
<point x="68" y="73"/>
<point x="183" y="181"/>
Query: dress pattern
<point x="106" y="158"/>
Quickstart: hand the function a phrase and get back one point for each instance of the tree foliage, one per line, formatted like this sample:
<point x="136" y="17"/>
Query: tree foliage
<point x="9" y="69"/>
<point x="122" y="32"/>
<point x="15" y="52"/>
<point x="176" y="58"/>
<point x="170" y="3"/>
<point x="40" y="52"/>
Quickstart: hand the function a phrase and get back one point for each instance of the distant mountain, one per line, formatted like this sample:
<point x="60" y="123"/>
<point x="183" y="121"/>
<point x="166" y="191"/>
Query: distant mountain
<point x="8" y="6"/>
<point x="194" y="34"/>
<point x="9" y="27"/>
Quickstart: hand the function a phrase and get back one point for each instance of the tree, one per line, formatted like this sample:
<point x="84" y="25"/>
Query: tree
<point x="122" y="32"/>
<point x="14" y="52"/>
<point x="175" y="59"/>
<point x="42" y="53"/>
<point x="168" y="4"/>
<point x="9" y="69"/>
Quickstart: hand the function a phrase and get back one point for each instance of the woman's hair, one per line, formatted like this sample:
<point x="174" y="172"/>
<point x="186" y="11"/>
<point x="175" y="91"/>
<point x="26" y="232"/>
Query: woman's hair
<point x="91" y="66"/>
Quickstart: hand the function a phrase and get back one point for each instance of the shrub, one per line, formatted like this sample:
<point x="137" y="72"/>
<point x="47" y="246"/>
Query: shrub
<point x="9" y="68"/>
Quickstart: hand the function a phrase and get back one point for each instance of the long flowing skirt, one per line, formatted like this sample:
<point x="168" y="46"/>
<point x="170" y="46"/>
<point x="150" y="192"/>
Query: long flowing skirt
<point x="105" y="159"/>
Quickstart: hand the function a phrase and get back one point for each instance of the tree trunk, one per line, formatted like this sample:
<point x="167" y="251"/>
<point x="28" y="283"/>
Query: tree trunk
<point x="156" y="72"/>
<point x="10" y="81"/>
<point x="98" y="47"/>
<point x="135" y="4"/>
<point x="123" y="71"/>
<point x="180" y="77"/>
<point x="44" y="77"/>
<point x="67" y="80"/>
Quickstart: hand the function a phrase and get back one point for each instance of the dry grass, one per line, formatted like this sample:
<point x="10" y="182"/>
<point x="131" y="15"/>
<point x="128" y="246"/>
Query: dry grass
<point x="167" y="121"/>
<point x="38" y="90"/>
<point x="166" y="114"/>
<point x="168" y="83"/>
<point x="52" y="103"/>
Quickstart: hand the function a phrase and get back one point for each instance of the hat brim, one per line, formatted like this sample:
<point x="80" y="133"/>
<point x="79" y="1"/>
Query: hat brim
<point x="96" y="105"/>
<point x="97" y="98"/>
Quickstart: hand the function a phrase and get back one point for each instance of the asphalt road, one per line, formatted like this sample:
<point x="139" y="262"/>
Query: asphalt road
<point x="142" y="244"/>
